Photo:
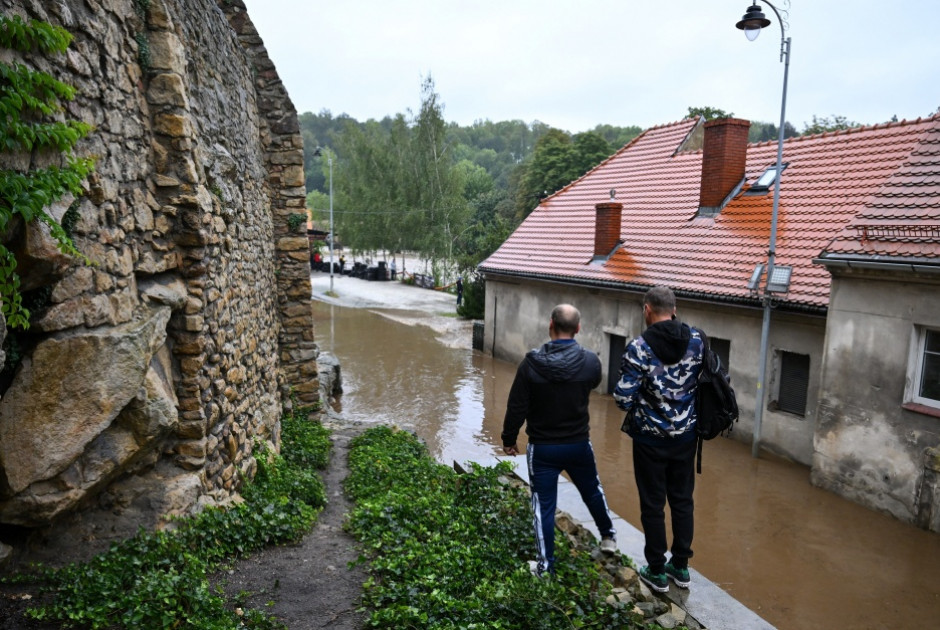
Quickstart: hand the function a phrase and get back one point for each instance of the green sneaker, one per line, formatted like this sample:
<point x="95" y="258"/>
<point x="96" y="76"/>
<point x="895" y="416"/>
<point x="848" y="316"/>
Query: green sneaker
<point x="657" y="581"/>
<point x="679" y="576"/>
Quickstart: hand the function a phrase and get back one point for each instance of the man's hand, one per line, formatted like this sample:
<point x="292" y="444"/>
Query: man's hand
<point x="511" y="450"/>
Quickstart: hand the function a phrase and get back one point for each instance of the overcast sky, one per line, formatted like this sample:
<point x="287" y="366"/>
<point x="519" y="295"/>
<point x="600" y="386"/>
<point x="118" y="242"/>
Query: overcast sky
<point x="574" y="65"/>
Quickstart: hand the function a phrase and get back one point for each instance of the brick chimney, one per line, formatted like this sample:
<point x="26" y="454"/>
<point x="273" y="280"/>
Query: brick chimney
<point x="724" y="156"/>
<point x="606" y="228"/>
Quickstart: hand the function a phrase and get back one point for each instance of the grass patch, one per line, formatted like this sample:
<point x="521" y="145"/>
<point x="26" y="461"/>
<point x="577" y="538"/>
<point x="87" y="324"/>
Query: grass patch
<point x="160" y="579"/>
<point x="451" y="551"/>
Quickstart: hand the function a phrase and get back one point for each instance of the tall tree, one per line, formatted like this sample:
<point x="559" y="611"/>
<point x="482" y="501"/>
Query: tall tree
<point x="399" y="185"/>
<point x="617" y="137"/>
<point x="709" y="113"/>
<point x="590" y="149"/>
<point x="556" y="162"/>
<point x="367" y="186"/>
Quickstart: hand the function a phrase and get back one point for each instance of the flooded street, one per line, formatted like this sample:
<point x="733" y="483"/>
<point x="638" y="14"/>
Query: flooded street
<point x="802" y="558"/>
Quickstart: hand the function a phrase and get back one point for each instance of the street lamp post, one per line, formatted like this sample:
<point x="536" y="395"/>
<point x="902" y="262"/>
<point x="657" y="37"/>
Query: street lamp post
<point x="752" y="23"/>
<point x="329" y="160"/>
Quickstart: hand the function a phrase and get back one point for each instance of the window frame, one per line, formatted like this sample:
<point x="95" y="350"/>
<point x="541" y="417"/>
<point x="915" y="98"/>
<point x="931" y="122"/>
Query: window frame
<point x="915" y="371"/>
<point x="723" y="351"/>
<point x="768" y="177"/>
<point x="783" y="382"/>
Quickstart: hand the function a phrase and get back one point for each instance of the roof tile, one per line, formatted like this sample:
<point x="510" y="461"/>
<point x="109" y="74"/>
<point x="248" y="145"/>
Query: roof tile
<point x="841" y="192"/>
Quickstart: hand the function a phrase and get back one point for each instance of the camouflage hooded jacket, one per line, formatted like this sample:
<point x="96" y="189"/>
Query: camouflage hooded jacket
<point x="658" y="376"/>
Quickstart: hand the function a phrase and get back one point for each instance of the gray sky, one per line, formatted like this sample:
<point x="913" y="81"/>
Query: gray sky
<point x="574" y="65"/>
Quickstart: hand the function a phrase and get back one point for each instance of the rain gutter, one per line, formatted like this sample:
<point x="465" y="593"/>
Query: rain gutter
<point x="632" y="287"/>
<point x="882" y="263"/>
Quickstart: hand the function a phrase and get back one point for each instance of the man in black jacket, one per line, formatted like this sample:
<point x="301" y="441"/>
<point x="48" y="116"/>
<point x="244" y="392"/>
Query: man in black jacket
<point x="551" y="391"/>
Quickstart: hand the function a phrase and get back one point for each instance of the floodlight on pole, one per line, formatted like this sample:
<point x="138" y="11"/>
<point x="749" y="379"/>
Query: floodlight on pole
<point x="752" y="23"/>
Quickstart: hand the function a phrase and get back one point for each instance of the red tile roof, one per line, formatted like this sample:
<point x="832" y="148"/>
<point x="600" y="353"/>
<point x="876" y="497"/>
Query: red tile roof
<point x="830" y="178"/>
<point x="901" y="223"/>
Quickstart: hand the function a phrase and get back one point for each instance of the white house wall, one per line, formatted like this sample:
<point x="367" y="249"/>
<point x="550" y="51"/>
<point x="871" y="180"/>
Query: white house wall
<point x="868" y="447"/>
<point x="518" y="310"/>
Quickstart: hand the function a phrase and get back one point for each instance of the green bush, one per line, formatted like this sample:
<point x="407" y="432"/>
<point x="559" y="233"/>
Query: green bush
<point x="295" y="220"/>
<point x="160" y="579"/>
<point x="474" y="298"/>
<point x="451" y="551"/>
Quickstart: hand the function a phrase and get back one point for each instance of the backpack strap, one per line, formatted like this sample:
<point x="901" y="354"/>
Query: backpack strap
<point x="705" y="349"/>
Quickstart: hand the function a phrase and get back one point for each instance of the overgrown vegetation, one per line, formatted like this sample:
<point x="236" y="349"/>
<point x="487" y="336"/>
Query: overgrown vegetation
<point x="474" y="297"/>
<point x="31" y="123"/>
<point x="160" y="579"/>
<point x="295" y="221"/>
<point x="450" y="551"/>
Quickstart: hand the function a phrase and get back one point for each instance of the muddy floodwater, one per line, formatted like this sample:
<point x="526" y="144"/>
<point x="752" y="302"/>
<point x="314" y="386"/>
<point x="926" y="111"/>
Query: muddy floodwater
<point x="802" y="558"/>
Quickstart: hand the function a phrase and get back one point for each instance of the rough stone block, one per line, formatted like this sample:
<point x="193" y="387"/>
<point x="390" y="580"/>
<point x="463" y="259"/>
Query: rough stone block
<point x="293" y="176"/>
<point x="43" y="429"/>
<point x="282" y="158"/>
<point x="167" y="52"/>
<point x="98" y="311"/>
<point x="193" y="448"/>
<point x="174" y="125"/>
<point x="189" y="463"/>
<point x="192" y="365"/>
<point x="62" y="316"/>
<point x="293" y="243"/>
<point x="168" y="89"/>
<point x="80" y="280"/>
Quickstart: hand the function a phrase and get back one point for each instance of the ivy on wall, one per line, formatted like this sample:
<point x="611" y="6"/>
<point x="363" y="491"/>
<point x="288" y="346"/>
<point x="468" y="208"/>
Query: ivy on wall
<point x="31" y="122"/>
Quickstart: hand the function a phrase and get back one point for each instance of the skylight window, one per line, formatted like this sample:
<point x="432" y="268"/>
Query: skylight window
<point x="765" y="181"/>
<point x="767" y="178"/>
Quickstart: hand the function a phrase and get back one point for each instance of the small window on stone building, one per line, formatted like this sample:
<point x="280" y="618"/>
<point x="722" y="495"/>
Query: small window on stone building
<point x="926" y="376"/>
<point x="794" y="383"/>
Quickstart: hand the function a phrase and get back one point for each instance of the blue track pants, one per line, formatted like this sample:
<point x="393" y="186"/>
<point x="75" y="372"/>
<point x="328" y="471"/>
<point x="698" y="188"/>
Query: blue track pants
<point x="546" y="462"/>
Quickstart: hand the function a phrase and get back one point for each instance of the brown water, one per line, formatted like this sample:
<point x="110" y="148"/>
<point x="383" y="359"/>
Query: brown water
<point x="802" y="558"/>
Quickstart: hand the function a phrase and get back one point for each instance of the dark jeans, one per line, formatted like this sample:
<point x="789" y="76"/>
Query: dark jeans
<point x="546" y="462"/>
<point x="665" y="473"/>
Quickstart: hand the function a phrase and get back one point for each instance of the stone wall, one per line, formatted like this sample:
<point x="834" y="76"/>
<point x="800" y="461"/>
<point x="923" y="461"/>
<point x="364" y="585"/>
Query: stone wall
<point x="149" y="375"/>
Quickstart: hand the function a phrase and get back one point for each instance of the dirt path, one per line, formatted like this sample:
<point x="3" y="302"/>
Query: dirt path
<point x="310" y="584"/>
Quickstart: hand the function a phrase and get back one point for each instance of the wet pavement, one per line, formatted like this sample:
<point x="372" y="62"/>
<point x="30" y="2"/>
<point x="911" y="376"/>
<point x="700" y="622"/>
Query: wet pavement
<point x="800" y="557"/>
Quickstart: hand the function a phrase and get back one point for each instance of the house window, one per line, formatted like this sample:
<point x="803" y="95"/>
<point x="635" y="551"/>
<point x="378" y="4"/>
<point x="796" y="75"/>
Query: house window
<point x="618" y="344"/>
<point x="926" y="381"/>
<point x="794" y="383"/>
<point x="722" y="348"/>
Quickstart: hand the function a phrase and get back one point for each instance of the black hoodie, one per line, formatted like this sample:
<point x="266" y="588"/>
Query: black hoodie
<point x="551" y="392"/>
<point x="668" y="339"/>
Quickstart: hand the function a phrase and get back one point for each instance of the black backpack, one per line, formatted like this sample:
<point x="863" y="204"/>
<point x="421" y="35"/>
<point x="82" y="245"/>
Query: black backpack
<point x="715" y="403"/>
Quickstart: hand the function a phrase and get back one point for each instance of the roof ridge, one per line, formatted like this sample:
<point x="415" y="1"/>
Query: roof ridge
<point x="904" y="122"/>
<point x="861" y="128"/>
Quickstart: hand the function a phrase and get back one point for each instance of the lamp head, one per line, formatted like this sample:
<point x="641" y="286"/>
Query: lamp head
<point x="752" y="22"/>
